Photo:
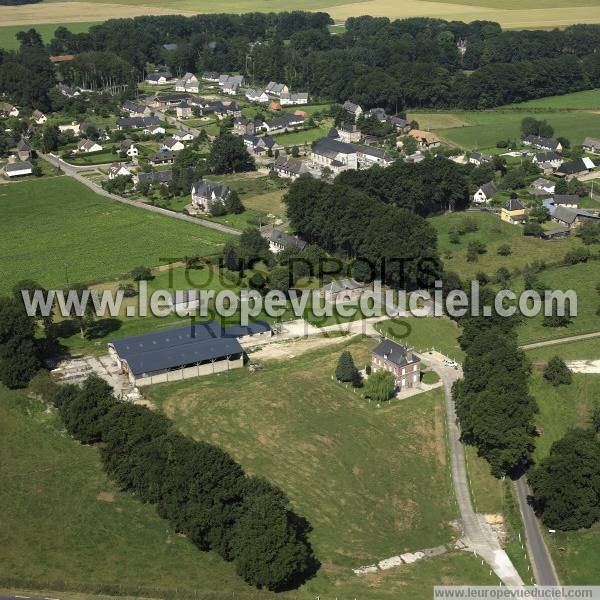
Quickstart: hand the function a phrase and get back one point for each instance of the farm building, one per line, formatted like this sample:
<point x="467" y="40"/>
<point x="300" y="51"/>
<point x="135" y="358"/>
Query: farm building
<point x="401" y="362"/>
<point x="18" y="169"/>
<point x="184" y="352"/>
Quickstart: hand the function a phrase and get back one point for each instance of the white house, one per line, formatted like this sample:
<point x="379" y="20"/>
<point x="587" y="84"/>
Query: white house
<point x="88" y="146"/>
<point x="353" y="109"/>
<point x="172" y="145"/>
<point x="485" y="193"/>
<point x="276" y="89"/>
<point x="368" y="156"/>
<point x="591" y="145"/>
<point x="158" y="78"/>
<point x="129" y="148"/>
<point x="39" y="117"/>
<point x="8" y="110"/>
<point x="155" y="130"/>
<point x="280" y="240"/>
<point x="188" y="83"/>
<point x="183" y="110"/>
<point x="118" y="170"/>
<point x="183" y="136"/>
<point x="258" y="96"/>
<point x="299" y="98"/>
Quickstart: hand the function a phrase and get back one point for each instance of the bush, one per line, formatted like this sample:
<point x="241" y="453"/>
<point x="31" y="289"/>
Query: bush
<point x="533" y="229"/>
<point x="380" y="386"/>
<point x="557" y="372"/>
<point x="129" y="290"/>
<point x="504" y="250"/>
<point x="346" y="370"/>
<point x="141" y="274"/>
<point x="578" y="255"/>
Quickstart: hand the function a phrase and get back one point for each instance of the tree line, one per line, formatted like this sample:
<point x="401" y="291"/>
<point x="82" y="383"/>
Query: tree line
<point x="199" y="488"/>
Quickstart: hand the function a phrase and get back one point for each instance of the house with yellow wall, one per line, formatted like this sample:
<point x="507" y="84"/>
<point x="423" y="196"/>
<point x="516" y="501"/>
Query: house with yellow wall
<point x="513" y="212"/>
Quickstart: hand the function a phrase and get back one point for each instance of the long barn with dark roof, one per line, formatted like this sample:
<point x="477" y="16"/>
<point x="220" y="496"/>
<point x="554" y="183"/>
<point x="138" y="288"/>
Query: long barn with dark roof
<point x="184" y="352"/>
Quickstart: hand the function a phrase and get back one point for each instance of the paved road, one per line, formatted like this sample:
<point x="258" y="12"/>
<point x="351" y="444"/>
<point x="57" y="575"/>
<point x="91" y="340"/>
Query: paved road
<point x="566" y="340"/>
<point x="541" y="561"/>
<point x="72" y="171"/>
<point x="480" y="537"/>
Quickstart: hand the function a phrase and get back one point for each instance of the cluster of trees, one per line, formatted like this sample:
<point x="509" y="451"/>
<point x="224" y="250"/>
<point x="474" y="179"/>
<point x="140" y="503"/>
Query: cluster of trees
<point x="196" y="486"/>
<point x="493" y="403"/>
<point x="399" y="245"/>
<point x="432" y="186"/>
<point x="566" y="484"/>
<point x="228" y="154"/>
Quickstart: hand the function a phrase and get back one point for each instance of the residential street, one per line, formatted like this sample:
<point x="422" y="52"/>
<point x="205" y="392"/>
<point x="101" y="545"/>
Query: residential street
<point x="72" y="171"/>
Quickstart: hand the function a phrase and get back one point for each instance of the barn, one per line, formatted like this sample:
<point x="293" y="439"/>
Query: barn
<point x="184" y="352"/>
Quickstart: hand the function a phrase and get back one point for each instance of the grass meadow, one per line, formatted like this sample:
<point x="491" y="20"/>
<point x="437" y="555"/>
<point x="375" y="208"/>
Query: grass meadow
<point x="57" y="230"/>
<point x="494" y="233"/>
<point x="68" y="527"/>
<point x="482" y="129"/>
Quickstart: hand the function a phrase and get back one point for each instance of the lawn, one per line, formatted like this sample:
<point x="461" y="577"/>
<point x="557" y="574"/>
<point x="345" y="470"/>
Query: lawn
<point x="494" y="233"/>
<point x="57" y="231"/>
<point x="424" y="334"/>
<point x="8" y="41"/>
<point x="303" y="137"/>
<point x="493" y="125"/>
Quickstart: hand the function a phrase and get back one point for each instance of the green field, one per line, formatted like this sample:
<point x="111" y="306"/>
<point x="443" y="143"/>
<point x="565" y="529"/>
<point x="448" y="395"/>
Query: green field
<point x="8" y="41"/>
<point x="581" y="350"/>
<point x="588" y="99"/>
<point x="67" y="527"/>
<point x="494" y="233"/>
<point x="582" y="279"/>
<point x="482" y="129"/>
<point x="56" y="230"/>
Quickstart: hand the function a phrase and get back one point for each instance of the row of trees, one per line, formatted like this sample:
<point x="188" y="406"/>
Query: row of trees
<point x="493" y="403"/>
<point x="197" y="487"/>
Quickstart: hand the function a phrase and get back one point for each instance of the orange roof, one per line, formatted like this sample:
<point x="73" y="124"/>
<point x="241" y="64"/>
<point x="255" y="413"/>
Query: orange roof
<point x="301" y="113"/>
<point x="274" y="105"/>
<point x="62" y="58"/>
<point x="425" y="136"/>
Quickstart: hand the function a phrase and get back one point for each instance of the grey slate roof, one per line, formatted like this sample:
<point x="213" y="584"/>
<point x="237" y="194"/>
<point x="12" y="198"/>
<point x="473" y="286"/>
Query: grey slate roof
<point x="541" y="142"/>
<point x="559" y="199"/>
<point x="18" y="166"/>
<point x="513" y="204"/>
<point x="281" y="237"/>
<point x="489" y="189"/>
<point x="205" y="189"/>
<point x="331" y="148"/>
<point x="575" y="166"/>
<point x="394" y="353"/>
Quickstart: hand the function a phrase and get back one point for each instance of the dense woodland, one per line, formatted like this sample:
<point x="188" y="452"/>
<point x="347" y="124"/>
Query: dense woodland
<point x="376" y="62"/>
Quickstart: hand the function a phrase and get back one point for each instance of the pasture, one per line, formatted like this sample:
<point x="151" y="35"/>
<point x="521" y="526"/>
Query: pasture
<point x="586" y="100"/>
<point x="57" y="231"/>
<point x="494" y="233"/>
<point x="490" y="126"/>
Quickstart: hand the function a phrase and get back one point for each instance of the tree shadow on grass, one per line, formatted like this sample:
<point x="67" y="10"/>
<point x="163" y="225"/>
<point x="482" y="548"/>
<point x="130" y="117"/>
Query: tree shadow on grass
<point x="102" y="327"/>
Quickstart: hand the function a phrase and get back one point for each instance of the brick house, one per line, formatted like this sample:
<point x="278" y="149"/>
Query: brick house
<point x="404" y="365"/>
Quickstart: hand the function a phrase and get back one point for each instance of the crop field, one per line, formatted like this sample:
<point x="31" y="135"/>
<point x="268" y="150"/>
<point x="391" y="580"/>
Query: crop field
<point x="494" y="233"/>
<point x="57" y="230"/>
<point x="8" y="41"/>
<point x="511" y="14"/>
